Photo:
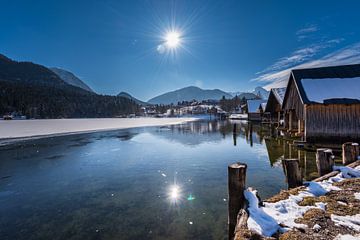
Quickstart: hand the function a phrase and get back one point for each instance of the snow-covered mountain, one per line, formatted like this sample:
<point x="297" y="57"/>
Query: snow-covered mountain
<point x="258" y="92"/>
<point x="246" y="95"/>
<point x="189" y="94"/>
<point x="70" y="78"/>
<point x="261" y="92"/>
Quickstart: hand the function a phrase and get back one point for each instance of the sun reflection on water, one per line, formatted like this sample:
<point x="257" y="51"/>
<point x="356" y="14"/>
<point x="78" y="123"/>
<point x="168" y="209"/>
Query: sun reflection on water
<point x="174" y="193"/>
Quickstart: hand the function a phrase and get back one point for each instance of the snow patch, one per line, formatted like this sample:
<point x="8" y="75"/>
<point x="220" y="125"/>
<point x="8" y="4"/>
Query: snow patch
<point x="316" y="227"/>
<point x="320" y="188"/>
<point x="265" y="220"/>
<point x="347" y="237"/>
<point x="318" y="90"/>
<point x="258" y="220"/>
<point x="357" y="195"/>
<point x="347" y="221"/>
<point x="347" y="172"/>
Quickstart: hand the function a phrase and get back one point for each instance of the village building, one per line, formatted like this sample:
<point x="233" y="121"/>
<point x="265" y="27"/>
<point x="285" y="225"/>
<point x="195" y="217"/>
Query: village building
<point x="254" y="109"/>
<point x="323" y="103"/>
<point x="274" y="105"/>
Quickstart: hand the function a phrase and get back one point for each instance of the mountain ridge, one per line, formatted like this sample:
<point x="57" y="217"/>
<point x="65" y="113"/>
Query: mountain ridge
<point x="188" y="94"/>
<point x="70" y="78"/>
<point x="129" y="96"/>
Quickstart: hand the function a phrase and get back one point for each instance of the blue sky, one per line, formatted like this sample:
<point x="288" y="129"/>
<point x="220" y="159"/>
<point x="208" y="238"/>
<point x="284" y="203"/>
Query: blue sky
<point x="232" y="45"/>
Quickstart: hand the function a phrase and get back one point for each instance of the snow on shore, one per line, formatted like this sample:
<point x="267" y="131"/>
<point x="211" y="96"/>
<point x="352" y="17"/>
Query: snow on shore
<point x="45" y="127"/>
<point x="347" y="221"/>
<point x="266" y="220"/>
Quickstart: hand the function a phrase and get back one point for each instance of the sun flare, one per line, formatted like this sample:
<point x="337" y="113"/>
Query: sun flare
<point x="173" y="39"/>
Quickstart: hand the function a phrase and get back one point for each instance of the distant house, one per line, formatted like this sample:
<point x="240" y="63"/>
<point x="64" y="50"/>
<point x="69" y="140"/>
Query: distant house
<point x="322" y="103"/>
<point x="254" y="109"/>
<point x="274" y="105"/>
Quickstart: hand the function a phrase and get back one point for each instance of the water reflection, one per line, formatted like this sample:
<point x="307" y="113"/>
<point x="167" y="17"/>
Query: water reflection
<point x="120" y="184"/>
<point x="174" y="193"/>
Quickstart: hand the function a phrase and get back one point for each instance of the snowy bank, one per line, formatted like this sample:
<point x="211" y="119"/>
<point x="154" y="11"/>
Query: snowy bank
<point x="286" y="215"/>
<point x="49" y="127"/>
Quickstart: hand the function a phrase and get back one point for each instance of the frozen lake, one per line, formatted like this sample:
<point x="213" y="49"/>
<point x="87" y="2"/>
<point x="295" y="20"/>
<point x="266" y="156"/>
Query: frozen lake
<point x="144" y="183"/>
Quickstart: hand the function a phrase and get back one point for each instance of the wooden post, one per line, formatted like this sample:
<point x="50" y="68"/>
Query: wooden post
<point x="290" y="120"/>
<point x="300" y="126"/>
<point x="234" y="128"/>
<point x="236" y="187"/>
<point x="278" y="118"/>
<point x="251" y="135"/>
<point x="234" y="138"/>
<point x="350" y="152"/>
<point x="292" y="172"/>
<point x="324" y="160"/>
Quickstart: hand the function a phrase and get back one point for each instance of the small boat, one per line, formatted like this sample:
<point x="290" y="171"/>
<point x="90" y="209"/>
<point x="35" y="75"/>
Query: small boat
<point x="238" y="116"/>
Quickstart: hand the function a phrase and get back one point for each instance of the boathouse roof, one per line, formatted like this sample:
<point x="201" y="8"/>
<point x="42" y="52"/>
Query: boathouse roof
<point x="279" y="94"/>
<point x="337" y="84"/>
<point x="275" y="100"/>
<point x="254" y="105"/>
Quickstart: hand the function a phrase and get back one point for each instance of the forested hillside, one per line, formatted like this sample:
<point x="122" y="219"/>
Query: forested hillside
<point x="35" y="91"/>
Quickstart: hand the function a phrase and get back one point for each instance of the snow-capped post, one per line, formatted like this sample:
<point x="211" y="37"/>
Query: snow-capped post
<point x="236" y="198"/>
<point x="324" y="160"/>
<point x="293" y="172"/>
<point x="350" y="152"/>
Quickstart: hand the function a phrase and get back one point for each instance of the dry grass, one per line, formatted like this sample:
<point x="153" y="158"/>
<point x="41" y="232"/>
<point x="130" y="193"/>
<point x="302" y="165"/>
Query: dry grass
<point x="342" y="202"/>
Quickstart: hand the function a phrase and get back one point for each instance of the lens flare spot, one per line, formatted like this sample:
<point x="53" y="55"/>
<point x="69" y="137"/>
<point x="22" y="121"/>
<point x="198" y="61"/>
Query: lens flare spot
<point x="190" y="197"/>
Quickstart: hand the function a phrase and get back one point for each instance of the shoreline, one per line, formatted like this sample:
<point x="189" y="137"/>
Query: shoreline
<point x="23" y="130"/>
<point x="324" y="208"/>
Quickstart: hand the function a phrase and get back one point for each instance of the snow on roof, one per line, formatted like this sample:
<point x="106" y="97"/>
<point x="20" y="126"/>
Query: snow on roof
<point x="279" y="93"/>
<point x="321" y="89"/>
<point x="254" y="105"/>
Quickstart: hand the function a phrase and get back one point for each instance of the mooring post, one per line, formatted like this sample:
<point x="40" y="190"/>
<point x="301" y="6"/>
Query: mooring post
<point x="234" y="134"/>
<point x="293" y="172"/>
<point x="236" y="187"/>
<point x="324" y="160"/>
<point x="350" y="152"/>
<point x="234" y="138"/>
<point x="251" y="135"/>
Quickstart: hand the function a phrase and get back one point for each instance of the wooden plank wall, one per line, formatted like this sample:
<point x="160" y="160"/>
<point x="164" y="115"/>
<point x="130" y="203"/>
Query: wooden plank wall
<point x="293" y="101"/>
<point x="332" y="121"/>
<point x="254" y="116"/>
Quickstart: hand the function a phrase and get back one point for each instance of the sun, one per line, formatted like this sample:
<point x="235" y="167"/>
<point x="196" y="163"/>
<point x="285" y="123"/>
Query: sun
<point x="173" y="39"/>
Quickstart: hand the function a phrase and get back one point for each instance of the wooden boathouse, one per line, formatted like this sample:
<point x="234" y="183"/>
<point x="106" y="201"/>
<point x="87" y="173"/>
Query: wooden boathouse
<point x="274" y="105"/>
<point x="323" y="103"/>
<point x="254" y="109"/>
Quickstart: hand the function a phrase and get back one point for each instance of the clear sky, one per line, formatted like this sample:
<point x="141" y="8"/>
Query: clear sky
<point x="236" y="45"/>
